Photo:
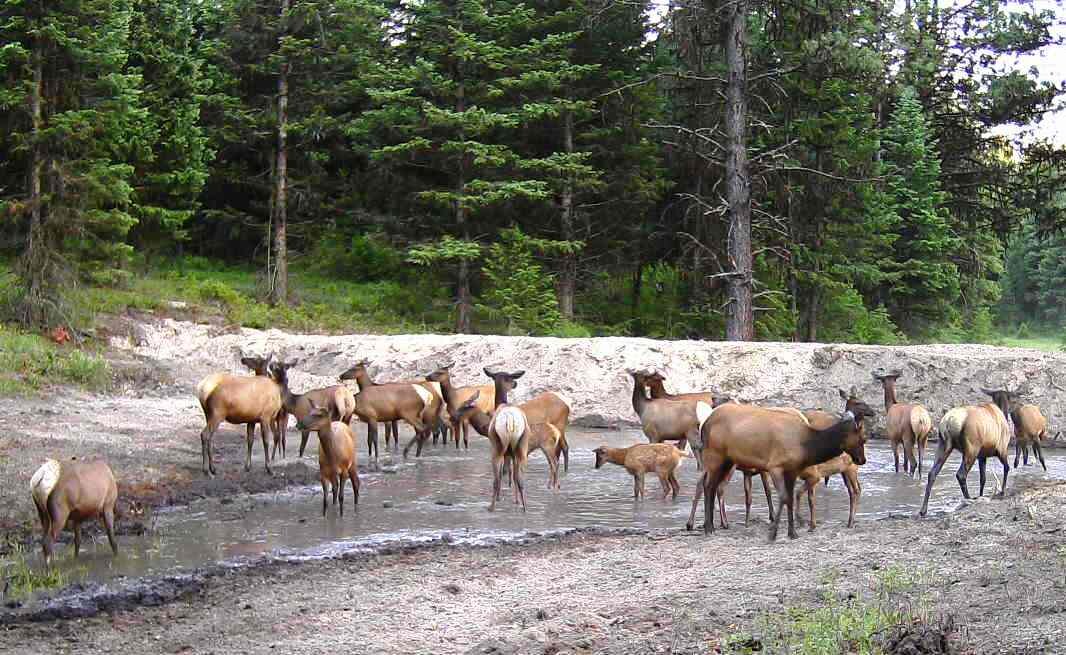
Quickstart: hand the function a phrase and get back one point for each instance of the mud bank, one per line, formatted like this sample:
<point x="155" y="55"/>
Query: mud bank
<point x="591" y="372"/>
<point x="993" y="570"/>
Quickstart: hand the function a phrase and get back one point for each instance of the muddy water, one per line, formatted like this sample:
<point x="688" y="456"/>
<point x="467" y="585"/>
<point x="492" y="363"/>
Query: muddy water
<point x="446" y="492"/>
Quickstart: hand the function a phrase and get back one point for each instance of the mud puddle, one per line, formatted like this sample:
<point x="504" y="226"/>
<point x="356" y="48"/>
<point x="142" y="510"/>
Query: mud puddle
<point x="443" y="497"/>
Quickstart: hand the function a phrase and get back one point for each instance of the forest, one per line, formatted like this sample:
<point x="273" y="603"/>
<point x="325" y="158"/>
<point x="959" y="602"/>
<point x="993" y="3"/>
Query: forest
<point x="815" y="170"/>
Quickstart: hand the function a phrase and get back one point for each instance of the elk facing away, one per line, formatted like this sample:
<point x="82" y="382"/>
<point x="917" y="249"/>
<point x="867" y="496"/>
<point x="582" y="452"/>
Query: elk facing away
<point x="906" y="424"/>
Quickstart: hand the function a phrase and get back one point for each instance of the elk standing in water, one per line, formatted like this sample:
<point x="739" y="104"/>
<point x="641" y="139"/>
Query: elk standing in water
<point x="906" y="424"/>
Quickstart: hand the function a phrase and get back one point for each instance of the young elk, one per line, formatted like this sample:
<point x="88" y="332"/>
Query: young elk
<point x="75" y="492"/>
<point x="438" y="425"/>
<point x="907" y="424"/>
<point x="238" y="399"/>
<point x="509" y="437"/>
<point x="542" y="436"/>
<point x="1030" y="428"/>
<point x="337" y="458"/>
<point x="338" y="399"/>
<point x="781" y="443"/>
<point x="661" y="459"/>
<point x="842" y="464"/>
<point x="978" y="432"/>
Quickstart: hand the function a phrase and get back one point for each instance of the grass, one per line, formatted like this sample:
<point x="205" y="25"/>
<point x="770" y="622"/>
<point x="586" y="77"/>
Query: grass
<point x="30" y="362"/>
<point x="838" y="626"/>
<point x="1045" y="343"/>
<point x="21" y="579"/>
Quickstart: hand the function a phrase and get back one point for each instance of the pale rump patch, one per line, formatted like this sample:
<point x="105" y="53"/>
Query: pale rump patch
<point x="703" y="412"/>
<point x="425" y="394"/>
<point x="509" y="424"/>
<point x="207" y="386"/>
<point x="921" y="422"/>
<point x="44" y="481"/>
<point x="436" y="390"/>
<point x="791" y="410"/>
<point x="566" y="401"/>
<point x="952" y="423"/>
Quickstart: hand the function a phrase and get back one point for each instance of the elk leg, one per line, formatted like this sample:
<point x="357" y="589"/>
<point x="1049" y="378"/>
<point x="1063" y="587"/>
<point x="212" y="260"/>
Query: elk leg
<point x="109" y="527"/>
<point x="700" y="483"/>
<point x="497" y="473"/>
<point x="325" y="495"/>
<point x="1025" y="455"/>
<point x="921" y="453"/>
<point x="205" y="446"/>
<point x="1017" y="452"/>
<point x="675" y="486"/>
<point x="722" y="518"/>
<point x="895" y="453"/>
<point x="790" y="491"/>
<point x="960" y="475"/>
<point x="851" y="480"/>
<point x="340" y="493"/>
<point x="711" y="479"/>
<point x="747" y="497"/>
<point x="812" y="490"/>
<point x="304" y="436"/>
<point x="266" y="431"/>
<point x="77" y="538"/>
<point x="248" y="457"/>
<point x="372" y="445"/>
<point x="1038" y="453"/>
<point x="353" y="475"/>
<point x="942" y="452"/>
<point x="565" y="446"/>
<point x="779" y="484"/>
<point x="1006" y="469"/>
<point x="552" y="455"/>
<point x="766" y="488"/>
<point x="908" y="452"/>
<point x="981" y="471"/>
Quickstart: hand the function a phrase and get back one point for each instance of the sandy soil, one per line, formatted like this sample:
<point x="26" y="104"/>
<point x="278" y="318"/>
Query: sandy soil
<point x="995" y="570"/>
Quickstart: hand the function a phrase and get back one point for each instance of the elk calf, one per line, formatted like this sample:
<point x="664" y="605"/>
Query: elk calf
<point x="640" y="459"/>
<point x="337" y="458"/>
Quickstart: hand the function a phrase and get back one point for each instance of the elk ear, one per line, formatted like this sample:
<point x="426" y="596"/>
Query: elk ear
<point x="518" y="374"/>
<point x="843" y="394"/>
<point x="989" y="392"/>
<point x="447" y="366"/>
<point x="489" y="373"/>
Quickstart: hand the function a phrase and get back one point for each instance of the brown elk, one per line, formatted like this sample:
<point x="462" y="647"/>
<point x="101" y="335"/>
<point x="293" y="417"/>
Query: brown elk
<point x="842" y="464"/>
<point x="780" y="443"/>
<point x="455" y="397"/>
<point x="74" y="492"/>
<point x="906" y="424"/>
<point x="238" y="399"/>
<point x="337" y="457"/>
<point x="337" y="399"/>
<point x="509" y="437"/>
<point x="654" y="381"/>
<point x="542" y="436"/>
<point x="978" y="432"/>
<point x="1030" y="428"/>
<point x="640" y="459"/>
<point x="663" y="420"/>
<point x="361" y="375"/>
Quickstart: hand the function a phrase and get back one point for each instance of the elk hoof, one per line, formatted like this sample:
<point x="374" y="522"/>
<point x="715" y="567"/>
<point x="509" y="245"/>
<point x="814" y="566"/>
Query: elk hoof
<point x="688" y="526"/>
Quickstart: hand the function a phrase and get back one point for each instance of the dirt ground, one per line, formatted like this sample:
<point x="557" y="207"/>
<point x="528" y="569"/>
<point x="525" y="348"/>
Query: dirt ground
<point x="995" y="570"/>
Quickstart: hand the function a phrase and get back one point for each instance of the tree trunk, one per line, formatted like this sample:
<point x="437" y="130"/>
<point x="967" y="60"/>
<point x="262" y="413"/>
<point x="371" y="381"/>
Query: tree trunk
<point x="568" y="274"/>
<point x="279" y="276"/>
<point x="35" y="259"/>
<point x="740" y="325"/>
<point x="464" y="305"/>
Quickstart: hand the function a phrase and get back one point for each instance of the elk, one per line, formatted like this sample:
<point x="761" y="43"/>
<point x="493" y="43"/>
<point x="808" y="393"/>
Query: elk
<point x="75" y="492"/>
<point x="238" y="399"/>
<point x="1030" y="428"/>
<point x="654" y="381"/>
<point x="661" y="419"/>
<point x="542" y="436"/>
<point x="906" y="424"/>
<point x="640" y="459"/>
<point x="778" y="442"/>
<point x="455" y="397"/>
<point x="842" y="464"/>
<point x="509" y="437"/>
<point x="978" y="432"/>
<point x="337" y="458"/>
<point x="337" y="399"/>
<point x="359" y="373"/>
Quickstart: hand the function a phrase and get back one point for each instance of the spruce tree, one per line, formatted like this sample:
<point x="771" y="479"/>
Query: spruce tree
<point x="75" y="119"/>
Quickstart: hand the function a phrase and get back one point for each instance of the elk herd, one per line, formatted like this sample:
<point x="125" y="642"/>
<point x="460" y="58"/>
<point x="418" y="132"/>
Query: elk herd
<point x="781" y="445"/>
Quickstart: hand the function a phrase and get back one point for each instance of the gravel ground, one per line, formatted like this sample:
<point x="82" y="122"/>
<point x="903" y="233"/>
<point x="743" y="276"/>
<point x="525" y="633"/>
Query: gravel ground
<point x="996" y="569"/>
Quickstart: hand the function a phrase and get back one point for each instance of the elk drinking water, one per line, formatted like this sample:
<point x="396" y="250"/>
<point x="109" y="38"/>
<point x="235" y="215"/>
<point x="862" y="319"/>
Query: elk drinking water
<point x="73" y="492"/>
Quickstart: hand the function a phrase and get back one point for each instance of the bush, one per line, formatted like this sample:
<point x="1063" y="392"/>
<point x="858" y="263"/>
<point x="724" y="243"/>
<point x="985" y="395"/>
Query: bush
<point x="1024" y="331"/>
<point x="520" y="291"/>
<point x="852" y="322"/>
<point x="29" y="362"/>
<point x="365" y="257"/>
<point x="213" y="290"/>
<point x="570" y="330"/>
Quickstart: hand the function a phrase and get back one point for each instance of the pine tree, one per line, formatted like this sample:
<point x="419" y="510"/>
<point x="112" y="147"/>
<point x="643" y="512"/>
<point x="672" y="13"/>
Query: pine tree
<point x="76" y="121"/>
<point x="926" y="286"/>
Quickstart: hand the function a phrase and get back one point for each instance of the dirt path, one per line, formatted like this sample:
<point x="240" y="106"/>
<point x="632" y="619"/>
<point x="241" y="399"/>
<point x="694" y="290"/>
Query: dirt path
<point x="996" y="569"/>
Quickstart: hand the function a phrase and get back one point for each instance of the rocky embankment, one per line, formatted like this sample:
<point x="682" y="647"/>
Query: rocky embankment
<point x="592" y="372"/>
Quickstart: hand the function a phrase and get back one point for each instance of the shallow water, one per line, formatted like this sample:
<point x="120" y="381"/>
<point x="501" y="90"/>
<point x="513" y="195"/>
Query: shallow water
<point x="446" y="492"/>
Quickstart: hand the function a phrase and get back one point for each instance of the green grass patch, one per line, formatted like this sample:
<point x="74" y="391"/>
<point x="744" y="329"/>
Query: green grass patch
<point x="22" y="579"/>
<point x="1047" y="344"/>
<point x="854" y="625"/>
<point x="30" y="362"/>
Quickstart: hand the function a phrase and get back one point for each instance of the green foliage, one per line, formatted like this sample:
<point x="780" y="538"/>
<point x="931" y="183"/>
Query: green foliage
<point x="448" y="249"/>
<point x="25" y="580"/>
<point x="29" y="363"/>
<point x="852" y="322"/>
<point x="519" y="290"/>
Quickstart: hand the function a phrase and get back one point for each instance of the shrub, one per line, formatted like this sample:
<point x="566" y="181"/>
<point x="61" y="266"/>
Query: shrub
<point x="213" y="290"/>
<point x="520" y="291"/>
